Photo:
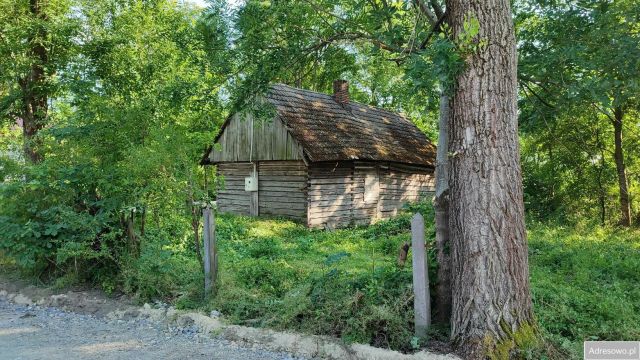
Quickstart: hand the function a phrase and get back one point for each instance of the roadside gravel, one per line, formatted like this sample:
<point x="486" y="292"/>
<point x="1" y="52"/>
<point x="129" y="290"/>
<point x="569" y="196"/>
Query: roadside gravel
<point x="38" y="332"/>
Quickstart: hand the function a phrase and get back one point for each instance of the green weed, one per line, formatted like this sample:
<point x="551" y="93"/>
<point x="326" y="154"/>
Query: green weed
<point x="584" y="284"/>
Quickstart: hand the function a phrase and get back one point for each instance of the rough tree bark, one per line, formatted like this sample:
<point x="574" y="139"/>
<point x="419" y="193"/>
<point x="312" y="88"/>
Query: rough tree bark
<point x="34" y="98"/>
<point x="491" y="303"/>
<point x="625" y="202"/>
<point x="441" y="207"/>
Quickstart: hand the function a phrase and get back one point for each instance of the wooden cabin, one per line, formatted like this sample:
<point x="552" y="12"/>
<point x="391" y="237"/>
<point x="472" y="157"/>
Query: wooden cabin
<point x="321" y="159"/>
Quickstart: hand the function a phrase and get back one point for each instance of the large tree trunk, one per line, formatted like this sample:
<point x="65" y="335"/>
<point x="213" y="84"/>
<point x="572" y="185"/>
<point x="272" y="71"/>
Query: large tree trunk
<point x="625" y="203"/>
<point x="491" y="302"/>
<point x="441" y="207"/>
<point x="33" y="86"/>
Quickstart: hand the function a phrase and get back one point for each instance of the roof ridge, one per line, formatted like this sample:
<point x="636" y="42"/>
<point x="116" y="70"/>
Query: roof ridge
<point x="350" y="101"/>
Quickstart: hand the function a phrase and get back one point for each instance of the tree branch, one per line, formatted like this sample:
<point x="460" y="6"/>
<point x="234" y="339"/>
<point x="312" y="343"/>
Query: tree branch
<point x="524" y="83"/>
<point x="424" y="8"/>
<point x="434" y="29"/>
<point x="605" y="112"/>
<point x="353" y="36"/>
<point x="437" y="8"/>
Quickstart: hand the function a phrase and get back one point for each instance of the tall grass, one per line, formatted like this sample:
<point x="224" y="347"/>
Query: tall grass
<point x="347" y="283"/>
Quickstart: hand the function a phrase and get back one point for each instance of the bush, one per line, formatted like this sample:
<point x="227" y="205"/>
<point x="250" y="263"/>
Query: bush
<point x="161" y="271"/>
<point x="57" y="223"/>
<point x="44" y="227"/>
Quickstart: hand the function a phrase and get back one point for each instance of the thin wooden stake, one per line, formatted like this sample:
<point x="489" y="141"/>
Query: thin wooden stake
<point x="210" y="251"/>
<point x="421" y="300"/>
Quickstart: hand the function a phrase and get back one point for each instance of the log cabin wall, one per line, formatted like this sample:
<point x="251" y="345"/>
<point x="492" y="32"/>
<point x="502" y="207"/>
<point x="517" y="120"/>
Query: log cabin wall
<point x="282" y="188"/>
<point x="362" y="192"/>
<point x="232" y="197"/>
<point x="330" y="199"/>
<point x="401" y="183"/>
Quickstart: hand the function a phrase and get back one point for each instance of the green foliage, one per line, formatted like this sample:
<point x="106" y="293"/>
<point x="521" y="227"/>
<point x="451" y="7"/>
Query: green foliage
<point x="134" y="109"/>
<point x="162" y="271"/>
<point x="310" y="44"/>
<point x="43" y="225"/>
<point x="579" y="62"/>
<point x="583" y="284"/>
<point x="343" y="283"/>
<point x="20" y="29"/>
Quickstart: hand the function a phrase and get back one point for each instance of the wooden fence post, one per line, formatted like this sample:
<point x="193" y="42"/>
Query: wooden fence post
<point x="421" y="300"/>
<point x="210" y="251"/>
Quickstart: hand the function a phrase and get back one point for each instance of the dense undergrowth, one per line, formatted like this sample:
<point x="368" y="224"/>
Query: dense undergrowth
<point x="346" y="283"/>
<point x="276" y="273"/>
<point x="584" y="283"/>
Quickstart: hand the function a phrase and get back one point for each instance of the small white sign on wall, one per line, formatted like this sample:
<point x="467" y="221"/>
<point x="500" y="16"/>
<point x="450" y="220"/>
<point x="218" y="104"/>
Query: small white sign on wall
<point x="251" y="183"/>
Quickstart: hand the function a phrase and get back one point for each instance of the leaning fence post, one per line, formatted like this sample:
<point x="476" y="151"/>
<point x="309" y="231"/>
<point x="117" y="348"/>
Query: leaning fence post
<point x="210" y="250"/>
<point x="421" y="300"/>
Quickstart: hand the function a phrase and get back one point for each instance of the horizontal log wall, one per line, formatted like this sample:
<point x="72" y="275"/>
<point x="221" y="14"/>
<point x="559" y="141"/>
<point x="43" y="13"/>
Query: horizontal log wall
<point x="283" y="189"/>
<point x="232" y="197"/>
<point x="327" y="195"/>
<point x="400" y="183"/>
<point x="330" y="196"/>
<point x="360" y="192"/>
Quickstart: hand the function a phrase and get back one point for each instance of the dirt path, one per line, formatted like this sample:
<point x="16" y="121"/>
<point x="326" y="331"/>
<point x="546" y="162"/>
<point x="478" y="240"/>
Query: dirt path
<point x="34" y="332"/>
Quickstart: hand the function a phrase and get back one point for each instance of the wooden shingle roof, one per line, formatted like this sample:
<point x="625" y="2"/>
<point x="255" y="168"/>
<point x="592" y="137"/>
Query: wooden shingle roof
<point x="330" y="131"/>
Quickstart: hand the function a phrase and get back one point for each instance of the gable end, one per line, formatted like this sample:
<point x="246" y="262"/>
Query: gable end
<point x="245" y="138"/>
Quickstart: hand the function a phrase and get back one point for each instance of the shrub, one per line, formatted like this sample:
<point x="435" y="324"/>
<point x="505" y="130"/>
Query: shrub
<point x="161" y="271"/>
<point x="43" y="225"/>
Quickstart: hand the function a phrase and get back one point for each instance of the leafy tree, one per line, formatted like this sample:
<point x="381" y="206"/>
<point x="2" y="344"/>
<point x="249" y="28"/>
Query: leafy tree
<point x="310" y="44"/>
<point x="492" y="311"/>
<point x="122" y="142"/>
<point x="36" y="40"/>
<point x="590" y="74"/>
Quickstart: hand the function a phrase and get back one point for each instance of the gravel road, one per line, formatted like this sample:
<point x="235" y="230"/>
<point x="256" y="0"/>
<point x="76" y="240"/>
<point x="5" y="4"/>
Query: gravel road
<point x="33" y="332"/>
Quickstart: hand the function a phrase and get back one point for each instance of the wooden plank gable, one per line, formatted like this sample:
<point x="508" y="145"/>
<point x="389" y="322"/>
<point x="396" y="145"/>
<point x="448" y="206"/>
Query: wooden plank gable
<point x="245" y="138"/>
